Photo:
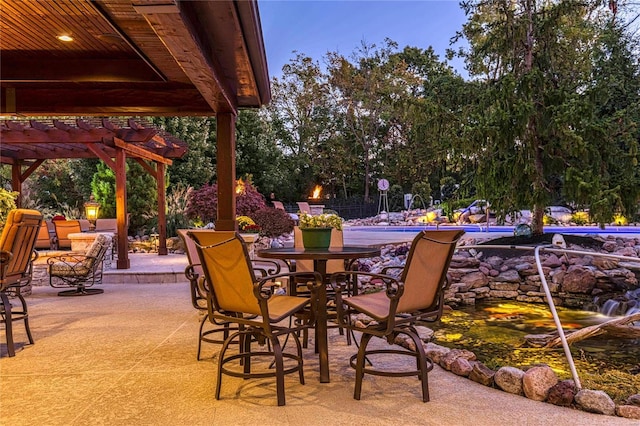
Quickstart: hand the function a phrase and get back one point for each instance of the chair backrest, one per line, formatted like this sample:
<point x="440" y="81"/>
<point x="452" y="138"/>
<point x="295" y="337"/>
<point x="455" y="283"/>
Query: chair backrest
<point x="333" y="265"/>
<point x="85" y="225"/>
<point x="18" y="237"/>
<point x="63" y="229"/>
<point x="96" y="251"/>
<point x="278" y="205"/>
<point x="304" y="207"/>
<point x="44" y="238"/>
<point x="107" y="225"/>
<point x="191" y="249"/>
<point x="425" y="273"/>
<point x="227" y="267"/>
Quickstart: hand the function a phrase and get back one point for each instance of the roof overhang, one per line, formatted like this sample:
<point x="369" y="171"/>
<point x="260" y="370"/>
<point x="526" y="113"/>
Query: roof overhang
<point x="131" y="57"/>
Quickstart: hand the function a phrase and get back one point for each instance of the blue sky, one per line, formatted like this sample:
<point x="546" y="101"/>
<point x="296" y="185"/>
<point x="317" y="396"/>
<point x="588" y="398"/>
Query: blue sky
<point x="315" y="27"/>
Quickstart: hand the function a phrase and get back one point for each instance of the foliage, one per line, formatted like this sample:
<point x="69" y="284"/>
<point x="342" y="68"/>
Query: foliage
<point x="396" y="198"/>
<point x="423" y="190"/>
<point x="7" y="203"/>
<point x="142" y="195"/>
<point x="320" y="221"/>
<point x="203" y="203"/>
<point x="273" y="222"/>
<point x="61" y="184"/>
<point x="244" y="222"/>
<point x="176" y="206"/>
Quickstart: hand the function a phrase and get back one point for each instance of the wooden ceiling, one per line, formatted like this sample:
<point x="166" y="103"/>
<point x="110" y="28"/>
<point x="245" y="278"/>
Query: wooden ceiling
<point x="131" y="57"/>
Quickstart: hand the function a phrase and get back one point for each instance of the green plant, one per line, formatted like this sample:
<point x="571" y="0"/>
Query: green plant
<point x="320" y="221"/>
<point x="7" y="203"/>
<point x="273" y="222"/>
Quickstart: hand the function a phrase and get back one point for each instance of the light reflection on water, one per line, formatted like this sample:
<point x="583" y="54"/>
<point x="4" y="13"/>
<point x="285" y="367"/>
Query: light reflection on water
<point x="495" y="332"/>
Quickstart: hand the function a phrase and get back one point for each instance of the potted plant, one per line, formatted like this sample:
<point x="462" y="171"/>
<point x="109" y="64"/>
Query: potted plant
<point x="316" y="230"/>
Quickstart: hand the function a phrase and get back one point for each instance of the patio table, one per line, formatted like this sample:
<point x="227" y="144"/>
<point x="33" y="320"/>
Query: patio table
<point x="320" y="258"/>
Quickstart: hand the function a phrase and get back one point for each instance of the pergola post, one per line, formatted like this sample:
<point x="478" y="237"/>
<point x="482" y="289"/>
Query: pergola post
<point x="162" y="210"/>
<point x="226" y="171"/>
<point x="121" y="209"/>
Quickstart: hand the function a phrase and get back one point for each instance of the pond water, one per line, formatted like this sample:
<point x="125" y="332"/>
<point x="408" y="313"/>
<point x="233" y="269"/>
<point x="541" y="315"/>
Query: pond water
<point x="495" y="333"/>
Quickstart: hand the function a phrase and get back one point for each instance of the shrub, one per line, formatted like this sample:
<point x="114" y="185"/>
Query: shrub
<point x="273" y="222"/>
<point x="7" y="203"/>
<point x="203" y="202"/>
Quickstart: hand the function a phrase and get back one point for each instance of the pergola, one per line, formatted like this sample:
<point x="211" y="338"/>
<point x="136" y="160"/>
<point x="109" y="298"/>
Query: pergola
<point x="36" y="142"/>
<point x="129" y="58"/>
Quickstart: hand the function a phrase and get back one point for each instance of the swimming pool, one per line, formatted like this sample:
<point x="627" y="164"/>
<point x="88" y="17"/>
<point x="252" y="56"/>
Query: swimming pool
<point x="582" y="230"/>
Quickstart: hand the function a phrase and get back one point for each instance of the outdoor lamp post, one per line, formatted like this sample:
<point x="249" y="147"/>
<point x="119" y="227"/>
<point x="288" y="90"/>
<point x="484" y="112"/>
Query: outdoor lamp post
<point x="91" y="209"/>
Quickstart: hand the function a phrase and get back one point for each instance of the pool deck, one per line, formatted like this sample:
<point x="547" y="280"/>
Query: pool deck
<point x="127" y="357"/>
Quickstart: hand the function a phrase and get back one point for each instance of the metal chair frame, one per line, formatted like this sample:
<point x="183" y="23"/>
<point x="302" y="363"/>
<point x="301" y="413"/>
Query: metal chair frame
<point x="83" y="272"/>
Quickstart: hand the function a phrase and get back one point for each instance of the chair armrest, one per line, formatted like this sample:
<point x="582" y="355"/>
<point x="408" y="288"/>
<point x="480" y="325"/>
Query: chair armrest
<point x="67" y="258"/>
<point x="393" y="287"/>
<point x="387" y="268"/>
<point x="266" y="271"/>
<point x="5" y="257"/>
<point x="263" y="287"/>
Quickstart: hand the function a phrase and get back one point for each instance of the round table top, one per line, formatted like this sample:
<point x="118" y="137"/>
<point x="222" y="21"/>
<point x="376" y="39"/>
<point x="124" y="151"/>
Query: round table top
<point x="346" y="252"/>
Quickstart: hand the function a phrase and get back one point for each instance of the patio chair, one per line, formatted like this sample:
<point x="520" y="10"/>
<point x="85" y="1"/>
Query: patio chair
<point x="417" y="295"/>
<point x="236" y="296"/>
<point x="304" y="207"/>
<point x="79" y="271"/>
<point x="278" y="205"/>
<point x="16" y="262"/>
<point x="63" y="229"/>
<point x="195" y="275"/>
<point x="44" y="241"/>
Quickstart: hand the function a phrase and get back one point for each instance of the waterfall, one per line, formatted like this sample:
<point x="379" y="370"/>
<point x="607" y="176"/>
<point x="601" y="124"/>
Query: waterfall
<point x="622" y="306"/>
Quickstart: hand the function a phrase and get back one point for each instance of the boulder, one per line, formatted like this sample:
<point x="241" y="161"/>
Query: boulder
<point x="552" y="261"/>
<point x="508" y="276"/>
<point x="595" y="401"/>
<point x="579" y="280"/>
<point x="475" y="279"/>
<point x="482" y="374"/>
<point x="634" y="400"/>
<point x="562" y="393"/>
<point x="628" y="411"/>
<point x="461" y="367"/>
<point x="436" y="352"/>
<point x="537" y="382"/>
<point x="448" y="359"/>
<point x="509" y="379"/>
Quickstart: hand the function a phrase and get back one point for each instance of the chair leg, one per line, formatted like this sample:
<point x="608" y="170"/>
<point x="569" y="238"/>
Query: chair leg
<point x="204" y="319"/>
<point x="223" y="350"/>
<point x="360" y="365"/>
<point x="277" y="352"/>
<point x="421" y="359"/>
<point x="8" y="323"/>
<point x="25" y="316"/>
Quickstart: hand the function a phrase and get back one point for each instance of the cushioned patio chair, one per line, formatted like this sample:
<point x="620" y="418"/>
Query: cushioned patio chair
<point x="304" y="207"/>
<point x="235" y="295"/>
<point x="16" y="262"/>
<point x="417" y="295"/>
<point x="79" y="271"/>
<point x="63" y="229"/>
<point x="44" y="241"/>
<point x="195" y="275"/>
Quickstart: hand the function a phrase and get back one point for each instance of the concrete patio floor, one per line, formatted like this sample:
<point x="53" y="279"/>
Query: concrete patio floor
<point x="127" y="357"/>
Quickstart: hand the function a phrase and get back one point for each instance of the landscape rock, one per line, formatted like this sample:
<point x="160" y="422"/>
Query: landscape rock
<point x="435" y="352"/>
<point x="447" y="360"/>
<point x="461" y="367"/>
<point x="562" y="393"/>
<point x="595" y="401"/>
<point x="634" y="400"/>
<point x="579" y="280"/>
<point x="537" y="382"/>
<point x="508" y="276"/>
<point x="628" y="411"/>
<point x="475" y="279"/>
<point x="482" y="374"/>
<point x="509" y="379"/>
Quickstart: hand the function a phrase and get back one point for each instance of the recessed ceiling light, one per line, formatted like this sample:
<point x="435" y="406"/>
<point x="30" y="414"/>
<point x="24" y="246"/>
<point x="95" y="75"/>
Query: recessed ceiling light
<point x="64" y="37"/>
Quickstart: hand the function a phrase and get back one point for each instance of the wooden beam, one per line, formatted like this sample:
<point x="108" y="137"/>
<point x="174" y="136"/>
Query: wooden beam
<point x="194" y="58"/>
<point x="30" y="170"/>
<point x="136" y="151"/>
<point x="121" y="209"/>
<point x="226" y="171"/>
<point x="102" y="155"/>
<point x="147" y="167"/>
<point x="162" y="211"/>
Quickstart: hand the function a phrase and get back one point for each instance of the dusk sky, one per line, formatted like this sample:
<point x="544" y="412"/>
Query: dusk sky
<point x="315" y="27"/>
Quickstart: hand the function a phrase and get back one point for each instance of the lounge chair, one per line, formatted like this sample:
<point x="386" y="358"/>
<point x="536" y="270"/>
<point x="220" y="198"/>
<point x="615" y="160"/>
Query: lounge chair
<point x="16" y="262"/>
<point x="44" y="241"/>
<point x="418" y="295"/>
<point x="63" y="229"/>
<point x="304" y="207"/>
